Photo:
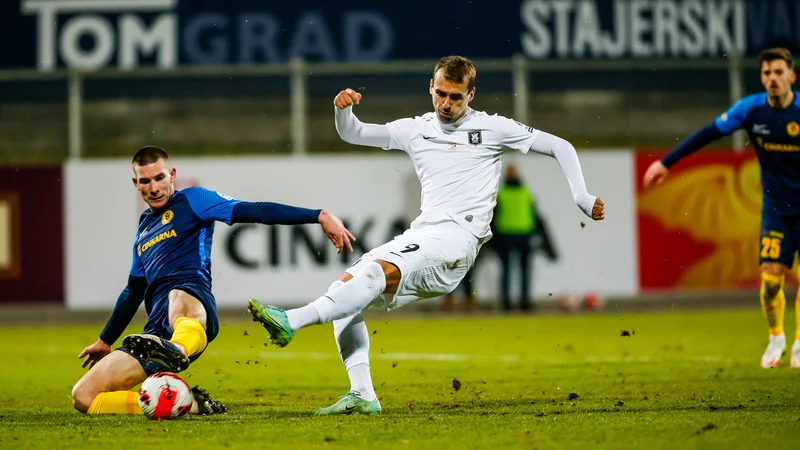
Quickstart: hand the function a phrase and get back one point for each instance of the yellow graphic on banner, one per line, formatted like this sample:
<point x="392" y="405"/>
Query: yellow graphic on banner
<point x="719" y="204"/>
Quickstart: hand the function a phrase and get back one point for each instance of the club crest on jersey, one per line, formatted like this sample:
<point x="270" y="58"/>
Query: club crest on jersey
<point x="475" y="137"/>
<point x="167" y="217"/>
<point x="792" y="129"/>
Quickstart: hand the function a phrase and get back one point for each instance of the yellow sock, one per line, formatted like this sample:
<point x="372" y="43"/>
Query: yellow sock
<point x="120" y="402"/>
<point x="797" y="307"/>
<point x="190" y="335"/>
<point x="773" y="302"/>
<point x="797" y="315"/>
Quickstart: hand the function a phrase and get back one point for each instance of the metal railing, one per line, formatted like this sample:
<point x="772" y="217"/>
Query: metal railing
<point x="521" y="70"/>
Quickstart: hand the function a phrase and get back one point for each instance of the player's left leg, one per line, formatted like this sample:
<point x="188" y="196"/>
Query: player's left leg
<point x="104" y="389"/>
<point x="374" y="279"/>
<point x="795" y="361"/>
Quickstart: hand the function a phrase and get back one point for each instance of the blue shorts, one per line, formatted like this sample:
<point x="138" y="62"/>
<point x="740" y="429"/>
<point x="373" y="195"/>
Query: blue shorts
<point x="157" y="305"/>
<point x="780" y="236"/>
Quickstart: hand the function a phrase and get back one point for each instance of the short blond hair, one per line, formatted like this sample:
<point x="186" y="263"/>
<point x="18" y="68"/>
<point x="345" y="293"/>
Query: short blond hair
<point x="455" y="69"/>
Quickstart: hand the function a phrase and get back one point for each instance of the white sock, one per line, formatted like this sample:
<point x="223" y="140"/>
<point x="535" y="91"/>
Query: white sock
<point x="307" y="315"/>
<point x="361" y="381"/>
<point x="351" y="297"/>
<point x="352" y="339"/>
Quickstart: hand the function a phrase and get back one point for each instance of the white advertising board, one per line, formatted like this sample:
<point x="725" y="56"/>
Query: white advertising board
<point x="377" y="196"/>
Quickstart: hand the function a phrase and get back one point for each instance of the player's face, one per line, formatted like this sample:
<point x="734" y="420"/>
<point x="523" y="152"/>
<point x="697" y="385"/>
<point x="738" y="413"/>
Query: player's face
<point x="156" y="183"/>
<point x="450" y="100"/>
<point x="776" y="77"/>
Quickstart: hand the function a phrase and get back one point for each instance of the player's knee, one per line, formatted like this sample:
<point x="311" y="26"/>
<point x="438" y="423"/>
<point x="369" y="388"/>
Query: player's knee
<point x="771" y="284"/>
<point x="773" y="268"/>
<point x="82" y="397"/>
<point x="182" y="304"/>
<point x="392" y="273"/>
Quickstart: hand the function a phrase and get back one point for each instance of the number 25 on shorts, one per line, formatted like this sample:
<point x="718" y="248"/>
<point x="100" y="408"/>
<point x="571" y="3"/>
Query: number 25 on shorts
<point x="770" y="247"/>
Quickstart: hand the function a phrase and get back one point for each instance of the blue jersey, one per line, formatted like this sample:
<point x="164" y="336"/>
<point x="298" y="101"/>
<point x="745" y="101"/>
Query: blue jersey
<point x="176" y="240"/>
<point x="775" y="134"/>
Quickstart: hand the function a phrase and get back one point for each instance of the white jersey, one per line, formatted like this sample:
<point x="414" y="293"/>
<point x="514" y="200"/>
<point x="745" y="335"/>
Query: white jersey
<point x="459" y="164"/>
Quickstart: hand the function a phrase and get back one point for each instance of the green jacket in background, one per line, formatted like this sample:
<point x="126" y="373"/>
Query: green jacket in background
<point x="514" y="214"/>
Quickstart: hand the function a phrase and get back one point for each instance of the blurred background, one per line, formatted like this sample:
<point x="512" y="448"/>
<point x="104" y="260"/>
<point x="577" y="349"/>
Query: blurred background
<point x="240" y="94"/>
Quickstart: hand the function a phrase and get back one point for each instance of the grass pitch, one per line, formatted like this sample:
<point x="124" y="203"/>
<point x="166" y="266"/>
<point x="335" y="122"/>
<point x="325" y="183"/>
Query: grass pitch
<point x="612" y="380"/>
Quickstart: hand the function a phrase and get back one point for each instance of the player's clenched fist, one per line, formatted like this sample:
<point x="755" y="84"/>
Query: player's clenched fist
<point x="655" y="174"/>
<point x="599" y="209"/>
<point x="346" y="98"/>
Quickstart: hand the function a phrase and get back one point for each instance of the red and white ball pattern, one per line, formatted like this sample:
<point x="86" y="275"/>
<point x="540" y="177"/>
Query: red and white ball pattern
<point x="165" y="396"/>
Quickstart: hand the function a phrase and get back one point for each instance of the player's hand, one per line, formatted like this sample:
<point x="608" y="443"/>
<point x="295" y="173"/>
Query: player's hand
<point x="346" y="98"/>
<point x="95" y="353"/>
<point x="336" y="231"/>
<point x="655" y="174"/>
<point x="599" y="209"/>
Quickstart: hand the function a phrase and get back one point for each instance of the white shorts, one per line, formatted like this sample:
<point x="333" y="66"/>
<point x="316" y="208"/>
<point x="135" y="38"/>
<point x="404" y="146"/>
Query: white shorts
<point x="432" y="259"/>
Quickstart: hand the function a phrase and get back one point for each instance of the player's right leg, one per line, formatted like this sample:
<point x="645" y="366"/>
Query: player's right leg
<point x="776" y="254"/>
<point x="352" y="340"/>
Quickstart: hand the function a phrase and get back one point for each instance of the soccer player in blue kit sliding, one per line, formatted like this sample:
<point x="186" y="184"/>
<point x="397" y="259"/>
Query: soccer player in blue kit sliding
<point x="772" y="120"/>
<point x="171" y="274"/>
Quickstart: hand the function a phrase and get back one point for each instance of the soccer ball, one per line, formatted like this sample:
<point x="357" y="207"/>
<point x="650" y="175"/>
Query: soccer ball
<point x="165" y="396"/>
<point x="593" y="301"/>
<point x="569" y="303"/>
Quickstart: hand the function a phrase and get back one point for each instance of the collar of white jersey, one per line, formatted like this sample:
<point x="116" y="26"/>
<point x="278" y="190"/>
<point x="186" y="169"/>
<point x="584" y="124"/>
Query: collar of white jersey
<point x="454" y="126"/>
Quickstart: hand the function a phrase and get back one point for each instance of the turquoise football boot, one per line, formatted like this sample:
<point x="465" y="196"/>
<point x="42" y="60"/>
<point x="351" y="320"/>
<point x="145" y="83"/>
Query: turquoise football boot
<point x="274" y="320"/>
<point x="351" y="403"/>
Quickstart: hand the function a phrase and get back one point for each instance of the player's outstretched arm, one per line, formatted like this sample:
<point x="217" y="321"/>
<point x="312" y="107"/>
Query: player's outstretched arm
<point x="567" y="157"/>
<point x="659" y="169"/>
<point x="127" y="304"/>
<point x="351" y="129"/>
<point x="212" y="206"/>
<point x="278" y="214"/>
<point x="731" y="120"/>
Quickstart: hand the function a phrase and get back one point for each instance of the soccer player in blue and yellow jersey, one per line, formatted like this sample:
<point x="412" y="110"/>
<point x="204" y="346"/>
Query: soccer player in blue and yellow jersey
<point x="772" y="119"/>
<point x="171" y="274"/>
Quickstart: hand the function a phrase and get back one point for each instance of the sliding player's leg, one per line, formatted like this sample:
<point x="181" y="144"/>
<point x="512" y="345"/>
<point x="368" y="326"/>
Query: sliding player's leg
<point x="104" y="389"/>
<point x="183" y="326"/>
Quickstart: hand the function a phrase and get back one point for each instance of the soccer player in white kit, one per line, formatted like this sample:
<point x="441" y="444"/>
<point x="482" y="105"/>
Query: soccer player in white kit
<point x="457" y="153"/>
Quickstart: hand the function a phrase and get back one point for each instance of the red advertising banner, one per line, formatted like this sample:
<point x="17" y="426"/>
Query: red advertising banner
<point x="699" y="229"/>
<point x="31" y="235"/>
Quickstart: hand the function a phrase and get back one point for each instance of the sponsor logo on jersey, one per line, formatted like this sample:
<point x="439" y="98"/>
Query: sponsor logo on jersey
<point x="141" y="248"/>
<point x="475" y="138"/>
<point x="167" y="216"/>
<point x="777" y="147"/>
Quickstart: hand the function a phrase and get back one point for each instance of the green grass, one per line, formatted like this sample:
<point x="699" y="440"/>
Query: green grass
<point x="681" y="380"/>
